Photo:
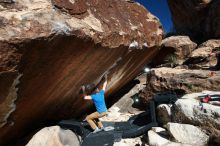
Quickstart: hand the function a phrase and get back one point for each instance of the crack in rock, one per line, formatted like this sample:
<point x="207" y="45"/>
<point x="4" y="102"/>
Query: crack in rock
<point x="9" y="104"/>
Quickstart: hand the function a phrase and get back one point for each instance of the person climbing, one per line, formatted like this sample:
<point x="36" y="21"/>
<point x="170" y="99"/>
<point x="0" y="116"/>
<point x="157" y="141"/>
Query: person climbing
<point x="101" y="110"/>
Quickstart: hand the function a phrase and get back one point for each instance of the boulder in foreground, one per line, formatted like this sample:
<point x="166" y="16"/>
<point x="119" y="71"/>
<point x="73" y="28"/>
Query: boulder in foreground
<point x="189" y="134"/>
<point x="54" y="136"/>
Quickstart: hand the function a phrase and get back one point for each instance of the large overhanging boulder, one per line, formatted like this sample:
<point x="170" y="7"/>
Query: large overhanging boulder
<point x="48" y="49"/>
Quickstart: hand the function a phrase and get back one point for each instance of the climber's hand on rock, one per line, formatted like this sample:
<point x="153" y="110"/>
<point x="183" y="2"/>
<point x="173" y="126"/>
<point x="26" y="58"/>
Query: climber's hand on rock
<point x="106" y="76"/>
<point x="83" y="89"/>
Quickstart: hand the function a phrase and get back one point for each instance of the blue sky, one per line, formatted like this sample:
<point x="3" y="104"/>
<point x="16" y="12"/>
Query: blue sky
<point x="160" y="9"/>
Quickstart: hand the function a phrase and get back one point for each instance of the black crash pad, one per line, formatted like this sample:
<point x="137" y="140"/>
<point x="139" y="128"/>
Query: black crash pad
<point x="134" y="127"/>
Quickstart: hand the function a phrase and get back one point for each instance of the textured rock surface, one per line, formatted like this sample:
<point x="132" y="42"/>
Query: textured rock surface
<point x="182" y="80"/>
<point x="54" y="136"/>
<point x="50" y="48"/>
<point x="189" y="110"/>
<point x="189" y="134"/>
<point x="156" y="140"/>
<point x="174" y="50"/>
<point x="196" y="18"/>
<point x="130" y="142"/>
<point x="205" y="56"/>
<point x="164" y="113"/>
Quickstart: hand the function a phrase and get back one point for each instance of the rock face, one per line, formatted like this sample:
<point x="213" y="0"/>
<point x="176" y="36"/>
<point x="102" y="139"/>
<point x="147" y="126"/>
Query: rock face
<point x="54" y="136"/>
<point x="174" y="50"/>
<point x="180" y="50"/>
<point x="182" y="80"/>
<point x="205" y="56"/>
<point x="189" y="134"/>
<point x="164" y="113"/>
<point x="185" y="69"/>
<point x="50" y="48"/>
<point x="198" y="19"/>
<point x="189" y="110"/>
<point x="157" y="140"/>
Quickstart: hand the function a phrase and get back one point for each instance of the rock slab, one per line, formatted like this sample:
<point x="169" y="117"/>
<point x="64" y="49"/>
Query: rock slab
<point x="181" y="80"/>
<point x="189" y="134"/>
<point x="156" y="140"/>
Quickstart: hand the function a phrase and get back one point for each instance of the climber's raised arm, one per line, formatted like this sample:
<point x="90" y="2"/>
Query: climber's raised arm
<point x="84" y="93"/>
<point x="105" y="83"/>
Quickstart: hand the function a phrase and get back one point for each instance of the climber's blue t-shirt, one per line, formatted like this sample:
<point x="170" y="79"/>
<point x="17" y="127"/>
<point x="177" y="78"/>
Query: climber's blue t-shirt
<point x="99" y="101"/>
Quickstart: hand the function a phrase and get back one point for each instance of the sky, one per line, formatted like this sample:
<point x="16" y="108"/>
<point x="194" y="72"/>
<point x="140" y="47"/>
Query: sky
<point x="160" y="9"/>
